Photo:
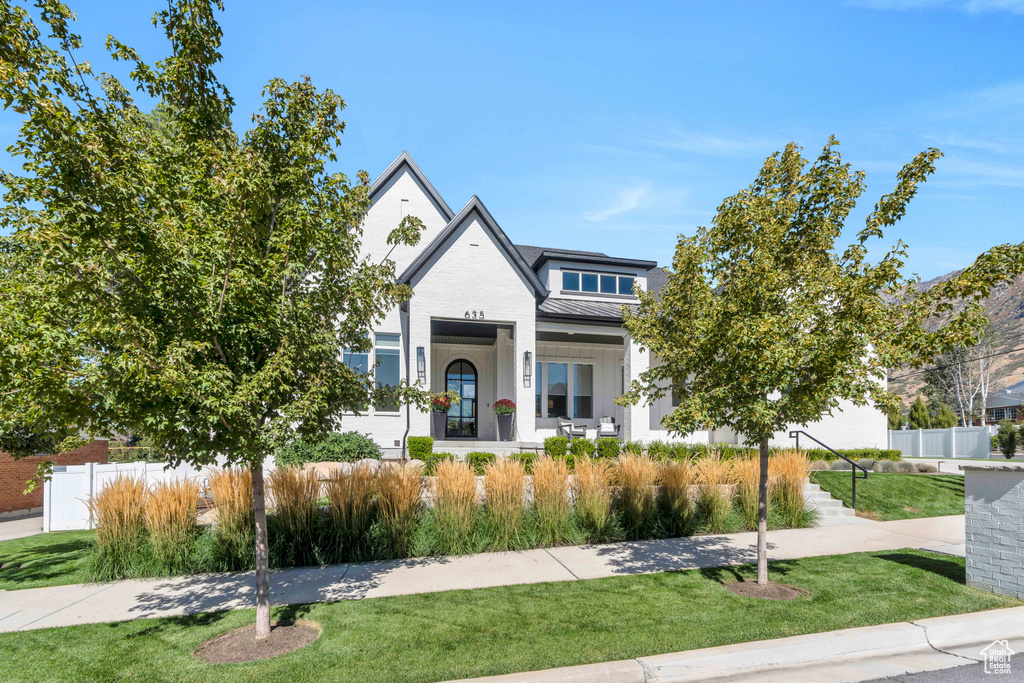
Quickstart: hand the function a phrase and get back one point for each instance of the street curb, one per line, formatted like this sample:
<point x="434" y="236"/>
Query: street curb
<point x="933" y="635"/>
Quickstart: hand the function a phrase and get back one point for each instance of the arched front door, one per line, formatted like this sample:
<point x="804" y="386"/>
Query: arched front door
<point x="461" y="378"/>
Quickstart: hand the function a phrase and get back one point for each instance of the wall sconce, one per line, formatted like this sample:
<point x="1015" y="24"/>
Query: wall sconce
<point x="421" y="365"/>
<point x="527" y="368"/>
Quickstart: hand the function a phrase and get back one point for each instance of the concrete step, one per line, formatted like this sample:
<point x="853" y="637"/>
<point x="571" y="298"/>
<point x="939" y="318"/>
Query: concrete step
<point x="824" y="503"/>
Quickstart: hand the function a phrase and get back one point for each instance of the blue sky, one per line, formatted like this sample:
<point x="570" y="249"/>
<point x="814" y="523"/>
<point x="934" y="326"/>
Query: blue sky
<point x="617" y="126"/>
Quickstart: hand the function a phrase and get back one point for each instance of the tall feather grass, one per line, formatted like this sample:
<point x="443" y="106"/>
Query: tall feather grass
<point x="787" y="472"/>
<point x="118" y="511"/>
<point x="455" y="508"/>
<point x="399" y="498"/>
<point x="746" y="473"/>
<point x="637" y="476"/>
<point x="350" y="504"/>
<point x="170" y="516"/>
<point x="713" y="500"/>
<point x="592" y="496"/>
<point x="504" y="484"/>
<point x="677" y="476"/>
<point x="232" y="537"/>
<point x="294" y="525"/>
<point x="552" y="510"/>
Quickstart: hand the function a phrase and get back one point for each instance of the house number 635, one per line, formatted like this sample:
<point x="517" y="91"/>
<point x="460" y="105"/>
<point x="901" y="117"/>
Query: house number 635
<point x="475" y="315"/>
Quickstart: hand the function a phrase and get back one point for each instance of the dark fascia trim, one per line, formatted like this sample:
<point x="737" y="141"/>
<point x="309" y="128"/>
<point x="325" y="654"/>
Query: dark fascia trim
<point x="475" y="205"/>
<point x="544" y="316"/>
<point x="598" y="260"/>
<point x="405" y="160"/>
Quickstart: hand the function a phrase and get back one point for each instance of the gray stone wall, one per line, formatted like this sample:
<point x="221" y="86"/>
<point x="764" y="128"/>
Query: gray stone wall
<point x="995" y="528"/>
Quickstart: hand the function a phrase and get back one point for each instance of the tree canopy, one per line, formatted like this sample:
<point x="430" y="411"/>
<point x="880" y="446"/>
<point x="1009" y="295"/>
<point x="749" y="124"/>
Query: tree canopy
<point x="168" y="276"/>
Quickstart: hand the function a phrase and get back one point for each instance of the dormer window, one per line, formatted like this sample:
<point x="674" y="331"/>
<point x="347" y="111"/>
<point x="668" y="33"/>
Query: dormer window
<point x="597" y="283"/>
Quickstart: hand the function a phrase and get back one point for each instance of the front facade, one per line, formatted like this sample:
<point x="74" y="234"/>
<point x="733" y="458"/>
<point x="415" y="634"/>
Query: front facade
<point x="540" y="326"/>
<point x="1008" y="405"/>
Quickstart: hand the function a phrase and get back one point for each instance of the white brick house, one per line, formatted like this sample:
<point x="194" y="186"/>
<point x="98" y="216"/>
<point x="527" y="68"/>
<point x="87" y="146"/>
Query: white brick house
<point x="539" y="326"/>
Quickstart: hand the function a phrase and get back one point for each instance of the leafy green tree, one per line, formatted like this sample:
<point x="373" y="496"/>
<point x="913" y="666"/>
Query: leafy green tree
<point x="764" y="324"/>
<point x="944" y="418"/>
<point x="1007" y="438"/>
<point x="895" y="415"/>
<point x="172" y="278"/>
<point x="920" y="418"/>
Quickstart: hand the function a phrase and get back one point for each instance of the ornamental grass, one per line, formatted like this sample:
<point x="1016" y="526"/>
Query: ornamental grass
<point x="455" y="508"/>
<point x="746" y="472"/>
<point x="637" y="476"/>
<point x="399" y="498"/>
<point x="170" y="516"/>
<point x="350" y="505"/>
<point x="592" y="495"/>
<point x="714" y="502"/>
<point x="232" y="537"/>
<point x="118" y="511"/>
<point x="504" y="507"/>
<point x="294" y="525"/>
<point x="551" y="507"/>
<point x="677" y="506"/>
<point x="787" y="472"/>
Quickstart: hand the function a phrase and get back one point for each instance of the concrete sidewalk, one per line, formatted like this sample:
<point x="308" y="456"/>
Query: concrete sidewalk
<point x="20" y="527"/>
<point x="122" y="600"/>
<point x="856" y="654"/>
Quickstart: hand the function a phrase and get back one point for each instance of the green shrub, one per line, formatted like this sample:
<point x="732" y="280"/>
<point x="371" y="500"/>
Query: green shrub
<point x="608" y="448"/>
<point x="478" y="460"/>
<point x="420" y="447"/>
<point x="527" y="459"/>
<point x="659" y="450"/>
<point x="1007" y="438"/>
<point x="633" y="448"/>
<point x="333" y="447"/>
<point x="556" y="446"/>
<point x="993" y="445"/>
<point x="580" y="447"/>
<point x="431" y="461"/>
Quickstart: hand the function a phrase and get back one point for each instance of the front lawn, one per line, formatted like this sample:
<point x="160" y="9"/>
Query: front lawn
<point x="457" y="634"/>
<point x="51" y="559"/>
<point x="886" y="497"/>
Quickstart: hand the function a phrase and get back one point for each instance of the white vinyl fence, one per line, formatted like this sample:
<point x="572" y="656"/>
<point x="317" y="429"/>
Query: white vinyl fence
<point x="66" y="494"/>
<point x="956" y="442"/>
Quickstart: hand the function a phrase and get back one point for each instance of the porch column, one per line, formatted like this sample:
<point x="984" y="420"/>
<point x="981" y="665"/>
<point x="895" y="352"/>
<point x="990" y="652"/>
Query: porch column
<point x="419" y="335"/>
<point x="636" y="418"/>
<point x="525" y="340"/>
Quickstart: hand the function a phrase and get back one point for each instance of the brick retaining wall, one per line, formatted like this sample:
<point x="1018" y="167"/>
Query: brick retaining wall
<point x="995" y="528"/>
<point x="14" y="474"/>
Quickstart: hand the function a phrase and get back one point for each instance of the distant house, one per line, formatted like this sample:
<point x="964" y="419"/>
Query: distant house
<point x="1006" y="405"/>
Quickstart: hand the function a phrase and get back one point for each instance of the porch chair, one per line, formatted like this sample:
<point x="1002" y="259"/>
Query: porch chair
<point x="607" y="428"/>
<point x="571" y="431"/>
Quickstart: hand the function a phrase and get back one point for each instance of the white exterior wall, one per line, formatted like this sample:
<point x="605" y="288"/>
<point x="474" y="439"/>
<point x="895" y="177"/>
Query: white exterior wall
<point x="471" y="274"/>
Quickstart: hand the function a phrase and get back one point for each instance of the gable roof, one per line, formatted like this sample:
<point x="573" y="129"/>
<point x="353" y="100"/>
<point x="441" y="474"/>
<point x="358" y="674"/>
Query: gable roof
<point x="491" y="226"/>
<point x="405" y="161"/>
<point x="533" y="254"/>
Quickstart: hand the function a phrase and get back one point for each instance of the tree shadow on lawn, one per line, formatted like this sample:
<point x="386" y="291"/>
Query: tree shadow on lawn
<point x="748" y="572"/>
<point x="949" y="569"/>
<point x="298" y="586"/>
<point x="42" y="563"/>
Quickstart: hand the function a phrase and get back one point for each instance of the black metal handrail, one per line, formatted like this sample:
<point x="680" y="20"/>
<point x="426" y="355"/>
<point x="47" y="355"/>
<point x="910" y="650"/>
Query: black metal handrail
<point x="795" y="434"/>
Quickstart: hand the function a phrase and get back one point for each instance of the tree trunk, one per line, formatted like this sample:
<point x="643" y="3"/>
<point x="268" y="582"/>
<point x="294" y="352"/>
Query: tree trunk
<point x="762" y="517"/>
<point x="262" y="556"/>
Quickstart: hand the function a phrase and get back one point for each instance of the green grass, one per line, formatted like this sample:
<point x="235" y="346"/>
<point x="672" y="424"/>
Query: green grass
<point x="887" y="497"/>
<point x="53" y="559"/>
<point x="487" y="631"/>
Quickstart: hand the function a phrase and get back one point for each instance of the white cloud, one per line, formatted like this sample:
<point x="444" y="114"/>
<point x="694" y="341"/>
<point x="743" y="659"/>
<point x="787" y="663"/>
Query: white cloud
<point x="627" y="200"/>
<point x="675" y="138"/>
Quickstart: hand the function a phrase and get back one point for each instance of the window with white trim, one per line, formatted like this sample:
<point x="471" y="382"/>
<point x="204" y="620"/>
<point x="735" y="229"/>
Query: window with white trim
<point x="597" y="283"/>
<point x="564" y="390"/>
<point x="388" y="372"/>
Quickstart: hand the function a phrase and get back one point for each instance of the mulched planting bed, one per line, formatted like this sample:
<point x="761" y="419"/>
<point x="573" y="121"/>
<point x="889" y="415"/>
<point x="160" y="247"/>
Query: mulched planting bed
<point x="771" y="591"/>
<point x="240" y="646"/>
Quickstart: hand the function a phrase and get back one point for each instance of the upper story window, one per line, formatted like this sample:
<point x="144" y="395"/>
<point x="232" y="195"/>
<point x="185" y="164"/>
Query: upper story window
<point x="597" y="283"/>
